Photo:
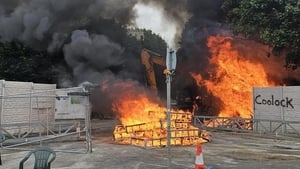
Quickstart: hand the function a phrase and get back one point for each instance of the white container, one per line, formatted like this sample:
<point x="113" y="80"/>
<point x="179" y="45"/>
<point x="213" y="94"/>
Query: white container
<point x="69" y="106"/>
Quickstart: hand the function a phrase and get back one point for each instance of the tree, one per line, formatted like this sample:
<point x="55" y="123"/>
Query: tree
<point x="154" y="42"/>
<point x="146" y="39"/>
<point x="274" y="22"/>
<point x="22" y="63"/>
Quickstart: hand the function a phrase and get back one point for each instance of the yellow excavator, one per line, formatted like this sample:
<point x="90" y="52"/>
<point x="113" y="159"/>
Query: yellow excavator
<point x="183" y="100"/>
<point x="150" y="59"/>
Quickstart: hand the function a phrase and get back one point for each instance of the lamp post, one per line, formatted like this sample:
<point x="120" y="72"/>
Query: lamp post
<point x="171" y="65"/>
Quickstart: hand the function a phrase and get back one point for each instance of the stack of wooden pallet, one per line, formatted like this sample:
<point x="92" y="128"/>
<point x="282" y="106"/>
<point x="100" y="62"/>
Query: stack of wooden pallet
<point x="155" y="133"/>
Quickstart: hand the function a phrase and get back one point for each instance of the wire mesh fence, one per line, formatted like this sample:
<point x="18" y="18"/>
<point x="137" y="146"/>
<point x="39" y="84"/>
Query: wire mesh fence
<point x="33" y="113"/>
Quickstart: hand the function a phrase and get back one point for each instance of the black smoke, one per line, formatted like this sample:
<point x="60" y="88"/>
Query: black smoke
<point x="91" y="55"/>
<point x="53" y="25"/>
<point x="206" y="20"/>
<point x="43" y="21"/>
<point x="193" y="55"/>
<point x="93" y="38"/>
<point x="91" y="34"/>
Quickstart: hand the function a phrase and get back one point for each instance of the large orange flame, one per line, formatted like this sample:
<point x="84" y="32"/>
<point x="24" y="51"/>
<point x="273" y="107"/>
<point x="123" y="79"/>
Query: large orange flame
<point x="232" y="78"/>
<point x="138" y="109"/>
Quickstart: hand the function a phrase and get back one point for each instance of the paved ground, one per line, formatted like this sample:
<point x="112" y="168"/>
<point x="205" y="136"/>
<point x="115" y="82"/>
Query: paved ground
<point x="227" y="151"/>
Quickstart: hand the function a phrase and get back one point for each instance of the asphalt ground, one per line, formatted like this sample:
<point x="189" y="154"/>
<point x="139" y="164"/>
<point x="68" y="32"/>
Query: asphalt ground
<point x="227" y="150"/>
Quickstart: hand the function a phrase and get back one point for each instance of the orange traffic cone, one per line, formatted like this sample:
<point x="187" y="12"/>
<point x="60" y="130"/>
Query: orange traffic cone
<point x="199" y="163"/>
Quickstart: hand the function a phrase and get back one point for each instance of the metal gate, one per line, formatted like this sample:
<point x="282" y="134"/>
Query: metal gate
<point x="28" y="117"/>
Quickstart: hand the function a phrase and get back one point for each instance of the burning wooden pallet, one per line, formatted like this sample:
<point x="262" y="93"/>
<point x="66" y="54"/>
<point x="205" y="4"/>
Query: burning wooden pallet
<point x="154" y="134"/>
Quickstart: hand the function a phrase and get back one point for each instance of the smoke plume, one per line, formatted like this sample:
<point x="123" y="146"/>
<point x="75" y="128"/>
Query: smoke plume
<point x="90" y="55"/>
<point x="176" y="13"/>
<point x="53" y="25"/>
<point x="40" y="23"/>
<point x="90" y="33"/>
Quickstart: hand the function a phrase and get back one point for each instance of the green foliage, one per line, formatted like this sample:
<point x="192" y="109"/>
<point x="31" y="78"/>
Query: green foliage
<point x="154" y="42"/>
<point x="21" y="63"/>
<point x="148" y="40"/>
<point x="274" y="22"/>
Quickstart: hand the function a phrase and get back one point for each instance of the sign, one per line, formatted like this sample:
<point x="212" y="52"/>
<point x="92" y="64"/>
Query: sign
<point x="277" y="103"/>
<point x="273" y="101"/>
<point x="171" y="59"/>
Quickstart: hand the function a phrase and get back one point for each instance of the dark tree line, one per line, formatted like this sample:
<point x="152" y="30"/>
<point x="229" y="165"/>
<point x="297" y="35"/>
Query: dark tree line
<point x="274" y="22"/>
<point x="22" y="63"/>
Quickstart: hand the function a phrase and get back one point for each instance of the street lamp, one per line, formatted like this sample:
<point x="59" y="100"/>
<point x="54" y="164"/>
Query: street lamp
<point x="171" y="65"/>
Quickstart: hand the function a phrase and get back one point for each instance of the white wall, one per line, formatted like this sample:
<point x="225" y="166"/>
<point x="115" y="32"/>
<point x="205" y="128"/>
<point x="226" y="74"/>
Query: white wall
<point x="277" y="103"/>
<point x="26" y="102"/>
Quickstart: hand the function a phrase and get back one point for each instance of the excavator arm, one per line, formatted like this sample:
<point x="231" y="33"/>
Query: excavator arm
<point x="149" y="58"/>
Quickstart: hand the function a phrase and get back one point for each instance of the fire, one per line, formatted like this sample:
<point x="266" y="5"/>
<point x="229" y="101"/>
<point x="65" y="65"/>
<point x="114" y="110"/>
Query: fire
<point x="232" y="77"/>
<point x="144" y="123"/>
<point x="138" y="109"/>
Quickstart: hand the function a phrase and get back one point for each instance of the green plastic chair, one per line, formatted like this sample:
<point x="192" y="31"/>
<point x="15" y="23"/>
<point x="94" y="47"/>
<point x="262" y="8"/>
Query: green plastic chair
<point x="43" y="158"/>
<point x="2" y="139"/>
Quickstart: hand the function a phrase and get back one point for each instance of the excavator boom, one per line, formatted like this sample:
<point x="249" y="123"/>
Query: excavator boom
<point x="148" y="59"/>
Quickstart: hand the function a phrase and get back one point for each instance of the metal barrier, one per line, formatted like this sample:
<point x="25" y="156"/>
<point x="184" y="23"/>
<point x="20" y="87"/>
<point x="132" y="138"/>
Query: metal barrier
<point x="276" y="127"/>
<point x="38" y="124"/>
<point x="224" y="123"/>
<point x="262" y="126"/>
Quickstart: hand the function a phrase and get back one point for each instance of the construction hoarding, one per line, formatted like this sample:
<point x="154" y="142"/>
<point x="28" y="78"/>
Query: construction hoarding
<point x="278" y="108"/>
<point x="26" y="103"/>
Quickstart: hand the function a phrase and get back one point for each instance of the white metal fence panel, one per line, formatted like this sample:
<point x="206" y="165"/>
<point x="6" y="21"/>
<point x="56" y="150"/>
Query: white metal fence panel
<point x="279" y="104"/>
<point x="26" y="102"/>
<point x="27" y="112"/>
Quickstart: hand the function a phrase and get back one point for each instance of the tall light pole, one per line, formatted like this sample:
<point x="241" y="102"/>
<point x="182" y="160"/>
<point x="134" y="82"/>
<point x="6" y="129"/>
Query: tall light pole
<point x="171" y="65"/>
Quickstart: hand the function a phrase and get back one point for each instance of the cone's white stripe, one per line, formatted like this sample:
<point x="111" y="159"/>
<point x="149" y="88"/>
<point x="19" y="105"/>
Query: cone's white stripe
<point x="199" y="159"/>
